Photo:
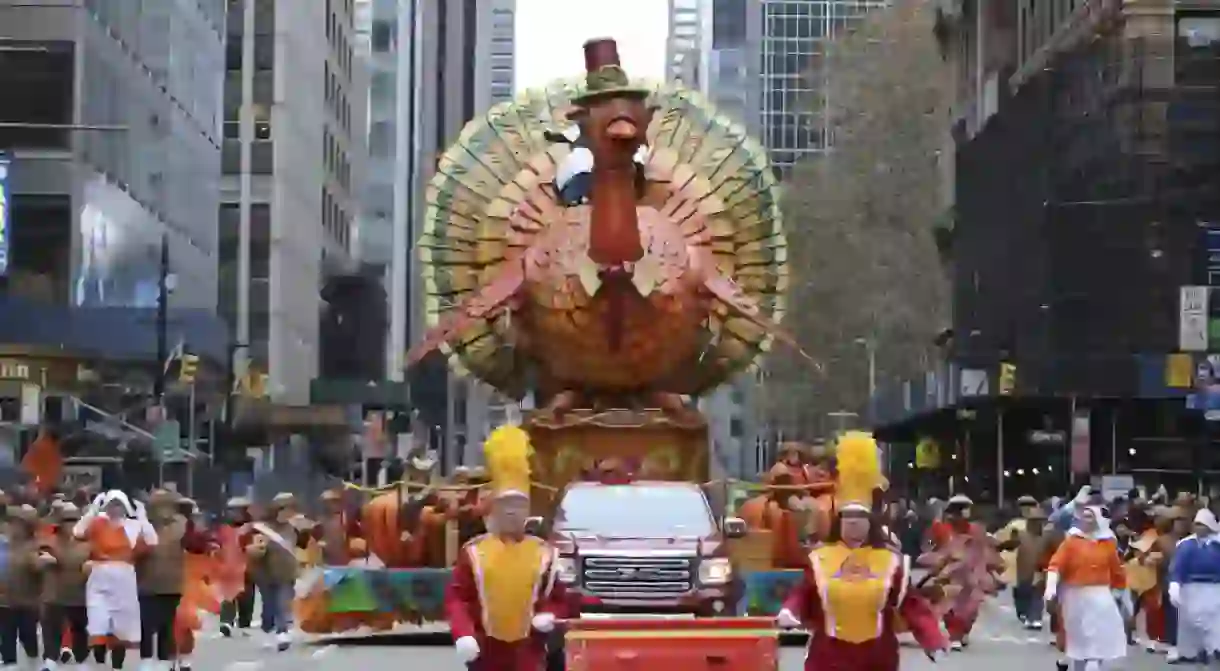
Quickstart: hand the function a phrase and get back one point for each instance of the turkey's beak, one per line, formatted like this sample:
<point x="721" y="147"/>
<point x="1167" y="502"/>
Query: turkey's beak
<point x="622" y="129"/>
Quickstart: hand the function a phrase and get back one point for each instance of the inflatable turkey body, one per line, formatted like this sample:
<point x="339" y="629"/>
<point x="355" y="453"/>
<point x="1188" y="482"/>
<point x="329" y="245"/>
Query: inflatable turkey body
<point x="667" y="284"/>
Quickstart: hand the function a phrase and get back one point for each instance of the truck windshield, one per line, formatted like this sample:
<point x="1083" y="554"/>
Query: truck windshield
<point x="635" y="511"/>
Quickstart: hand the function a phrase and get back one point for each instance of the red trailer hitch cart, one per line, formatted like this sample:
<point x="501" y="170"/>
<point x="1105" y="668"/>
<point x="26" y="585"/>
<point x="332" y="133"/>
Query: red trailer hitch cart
<point x="704" y="644"/>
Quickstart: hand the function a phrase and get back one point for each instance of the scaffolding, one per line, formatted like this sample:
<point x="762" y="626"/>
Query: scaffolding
<point x="1079" y="209"/>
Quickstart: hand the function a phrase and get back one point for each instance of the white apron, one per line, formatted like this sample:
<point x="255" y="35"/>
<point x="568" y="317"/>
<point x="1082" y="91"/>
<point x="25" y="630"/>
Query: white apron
<point x="113" y="602"/>
<point x="1199" y="619"/>
<point x="1093" y="625"/>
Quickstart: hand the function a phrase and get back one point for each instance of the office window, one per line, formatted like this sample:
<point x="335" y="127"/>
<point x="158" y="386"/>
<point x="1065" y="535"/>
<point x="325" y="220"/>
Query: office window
<point x="384" y="35"/>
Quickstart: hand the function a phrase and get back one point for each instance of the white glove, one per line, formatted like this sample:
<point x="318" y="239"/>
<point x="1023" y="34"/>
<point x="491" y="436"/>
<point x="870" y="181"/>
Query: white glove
<point x="1175" y="594"/>
<point x="1082" y="496"/>
<point x="544" y="622"/>
<point x="467" y="649"/>
<point x="786" y="620"/>
<point x="1052" y="586"/>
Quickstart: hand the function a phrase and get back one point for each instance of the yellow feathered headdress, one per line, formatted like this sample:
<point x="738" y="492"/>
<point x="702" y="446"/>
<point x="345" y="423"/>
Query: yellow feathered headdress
<point x="507" y="456"/>
<point x="858" y="462"/>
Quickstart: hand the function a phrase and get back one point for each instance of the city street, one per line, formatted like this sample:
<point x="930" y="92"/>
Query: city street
<point x="997" y="645"/>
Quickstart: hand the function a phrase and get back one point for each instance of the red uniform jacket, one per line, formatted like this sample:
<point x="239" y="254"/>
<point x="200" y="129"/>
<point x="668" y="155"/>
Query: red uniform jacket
<point x="830" y="648"/>
<point x="466" y="608"/>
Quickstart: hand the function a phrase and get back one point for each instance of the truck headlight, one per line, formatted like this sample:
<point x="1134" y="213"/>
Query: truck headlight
<point x="715" y="571"/>
<point x="565" y="568"/>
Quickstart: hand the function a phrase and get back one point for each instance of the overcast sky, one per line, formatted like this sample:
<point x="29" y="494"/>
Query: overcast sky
<point x="550" y="34"/>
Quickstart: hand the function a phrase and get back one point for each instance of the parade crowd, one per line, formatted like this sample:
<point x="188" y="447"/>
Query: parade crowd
<point x="95" y="578"/>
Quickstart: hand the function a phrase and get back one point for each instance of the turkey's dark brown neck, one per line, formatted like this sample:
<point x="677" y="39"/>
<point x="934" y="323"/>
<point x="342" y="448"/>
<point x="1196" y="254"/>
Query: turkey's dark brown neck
<point x="614" y="228"/>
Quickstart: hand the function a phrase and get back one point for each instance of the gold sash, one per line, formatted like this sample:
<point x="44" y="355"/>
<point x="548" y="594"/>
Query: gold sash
<point x="854" y="586"/>
<point x="510" y="578"/>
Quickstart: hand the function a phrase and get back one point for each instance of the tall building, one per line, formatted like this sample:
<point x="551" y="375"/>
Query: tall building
<point x="293" y="157"/>
<point x="732" y="32"/>
<point x="434" y="65"/>
<point x="794" y="34"/>
<point x="685" y="51"/>
<point x="110" y="153"/>
<point x="1095" y="123"/>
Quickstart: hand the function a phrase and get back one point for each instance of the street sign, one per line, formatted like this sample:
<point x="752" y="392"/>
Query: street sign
<point x="167" y="439"/>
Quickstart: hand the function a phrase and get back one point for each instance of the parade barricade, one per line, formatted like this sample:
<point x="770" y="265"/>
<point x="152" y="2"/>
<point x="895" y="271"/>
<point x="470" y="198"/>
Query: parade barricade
<point x="704" y="644"/>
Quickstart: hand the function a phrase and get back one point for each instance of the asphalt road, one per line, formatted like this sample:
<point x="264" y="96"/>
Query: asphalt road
<point x="997" y="644"/>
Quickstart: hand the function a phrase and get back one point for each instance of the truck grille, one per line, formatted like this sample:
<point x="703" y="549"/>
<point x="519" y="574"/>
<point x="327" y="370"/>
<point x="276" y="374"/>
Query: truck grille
<point x="643" y="577"/>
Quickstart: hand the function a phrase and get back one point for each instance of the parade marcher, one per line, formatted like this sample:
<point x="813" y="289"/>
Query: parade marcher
<point x="274" y="565"/>
<point x="159" y="572"/>
<point x="338" y="532"/>
<point x="1033" y="552"/>
<point x="1086" y="579"/>
<point x="237" y="613"/>
<point x="855" y="585"/>
<point x="1167" y="545"/>
<point x="964" y="563"/>
<point x="505" y="595"/>
<point x="203" y="585"/>
<point x="65" y="636"/>
<point x="1143" y="575"/>
<point x="115" y="530"/>
<point x="19" y="595"/>
<point x="1194" y="588"/>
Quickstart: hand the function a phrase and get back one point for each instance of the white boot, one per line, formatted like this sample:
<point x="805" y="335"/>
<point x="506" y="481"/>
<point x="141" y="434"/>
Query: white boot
<point x="184" y="663"/>
<point x="283" y="641"/>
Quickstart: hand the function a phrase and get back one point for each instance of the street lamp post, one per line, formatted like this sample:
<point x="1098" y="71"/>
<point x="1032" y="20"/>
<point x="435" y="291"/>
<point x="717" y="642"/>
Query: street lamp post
<point x="870" y="348"/>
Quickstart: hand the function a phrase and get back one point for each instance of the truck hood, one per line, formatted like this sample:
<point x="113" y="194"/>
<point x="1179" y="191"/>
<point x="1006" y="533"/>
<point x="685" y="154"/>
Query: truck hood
<point x="568" y="543"/>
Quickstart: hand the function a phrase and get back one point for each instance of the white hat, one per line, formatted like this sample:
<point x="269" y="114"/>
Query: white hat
<point x="960" y="500"/>
<point x="117" y="495"/>
<point x="1207" y="519"/>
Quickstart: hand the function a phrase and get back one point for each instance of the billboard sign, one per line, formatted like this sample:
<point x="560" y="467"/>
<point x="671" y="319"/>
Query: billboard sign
<point x="1192" y="319"/>
<point x="4" y="213"/>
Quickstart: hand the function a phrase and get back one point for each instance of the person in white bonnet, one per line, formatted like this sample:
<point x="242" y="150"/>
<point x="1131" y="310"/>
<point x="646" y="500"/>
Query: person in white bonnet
<point x="1194" y="589"/>
<point x="115" y="530"/>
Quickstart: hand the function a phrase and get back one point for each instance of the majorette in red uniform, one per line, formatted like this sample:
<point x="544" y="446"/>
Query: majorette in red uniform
<point x="505" y="597"/>
<point x="856" y="585"/>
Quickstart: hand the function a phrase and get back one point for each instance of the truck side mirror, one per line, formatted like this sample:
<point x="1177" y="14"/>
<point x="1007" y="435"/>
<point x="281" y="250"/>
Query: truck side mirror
<point x="735" y="527"/>
<point x="533" y="526"/>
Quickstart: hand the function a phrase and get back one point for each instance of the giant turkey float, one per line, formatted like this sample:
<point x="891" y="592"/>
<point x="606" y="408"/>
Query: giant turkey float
<point x="615" y="248"/>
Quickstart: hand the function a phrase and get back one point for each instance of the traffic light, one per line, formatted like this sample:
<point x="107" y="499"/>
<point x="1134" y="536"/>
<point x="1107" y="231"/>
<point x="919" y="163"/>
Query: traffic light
<point x="1008" y="379"/>
<point x="188" y="368"/>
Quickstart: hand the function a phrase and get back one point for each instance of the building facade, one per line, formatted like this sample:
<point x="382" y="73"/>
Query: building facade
<point x="434" y="65"/>
<point x="1067" y="299"/>
<point x="119" y="159"/>
<point x="793" y="117"/>
<point x="686" y="50"/>
<point x="293" y="158"/>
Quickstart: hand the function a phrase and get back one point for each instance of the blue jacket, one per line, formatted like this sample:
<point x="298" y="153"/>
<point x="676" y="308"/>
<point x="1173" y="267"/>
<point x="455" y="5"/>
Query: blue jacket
<point x="1195" y="561"/>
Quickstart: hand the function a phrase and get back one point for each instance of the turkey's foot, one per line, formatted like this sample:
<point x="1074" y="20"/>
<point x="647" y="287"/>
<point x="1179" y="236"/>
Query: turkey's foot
<point x="563" y="402"/>
<point x="671" y="404"/>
